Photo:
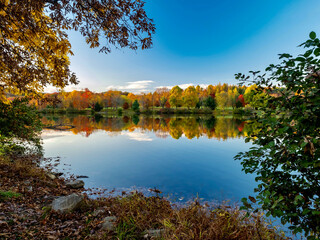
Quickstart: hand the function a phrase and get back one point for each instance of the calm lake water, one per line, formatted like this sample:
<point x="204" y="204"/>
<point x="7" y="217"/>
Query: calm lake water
<point x="182" y="156"/>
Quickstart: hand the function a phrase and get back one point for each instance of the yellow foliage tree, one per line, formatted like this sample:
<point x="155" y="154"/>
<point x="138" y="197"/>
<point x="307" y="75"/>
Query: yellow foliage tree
<point x="34" y="46"/>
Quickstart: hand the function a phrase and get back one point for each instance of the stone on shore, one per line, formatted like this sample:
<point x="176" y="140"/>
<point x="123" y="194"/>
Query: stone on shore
<point x="109" y="223"/>
<point x="51" y="176"/>
<point x="75" y="184"/>
<point x="67" y="203"/>
<point x="153" y="233"/>
<point x="98" y="211"/>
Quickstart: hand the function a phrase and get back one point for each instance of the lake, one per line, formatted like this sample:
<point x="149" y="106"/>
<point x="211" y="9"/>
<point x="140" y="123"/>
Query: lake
<point x="184" y="157"/>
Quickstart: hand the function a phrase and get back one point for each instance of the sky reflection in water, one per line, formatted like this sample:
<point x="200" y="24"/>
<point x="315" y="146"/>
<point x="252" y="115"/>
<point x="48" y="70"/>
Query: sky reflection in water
<point x="182" y="157"/>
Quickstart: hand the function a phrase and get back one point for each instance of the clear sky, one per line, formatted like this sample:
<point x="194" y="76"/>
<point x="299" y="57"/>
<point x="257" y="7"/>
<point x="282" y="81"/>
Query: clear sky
<point x="199" y="42"/>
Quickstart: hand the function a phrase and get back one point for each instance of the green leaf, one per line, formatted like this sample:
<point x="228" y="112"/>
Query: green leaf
<point x="312" y="35"/>
<point x="317" y="52"/>
<point x="307" y="53"/>
<point x="303" y="144"/>
<point x="300" y="59"/>
<point x="297" y="198"/>
<point x="315" y="212"/>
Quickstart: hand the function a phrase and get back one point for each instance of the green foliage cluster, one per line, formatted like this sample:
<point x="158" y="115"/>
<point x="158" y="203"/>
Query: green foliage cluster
<point x="20" y="127"/>
<point x="211" y="103"/>
<point x="136" y="106"/>
<point x="286" y="150"/>
<point x="98" y="107"/>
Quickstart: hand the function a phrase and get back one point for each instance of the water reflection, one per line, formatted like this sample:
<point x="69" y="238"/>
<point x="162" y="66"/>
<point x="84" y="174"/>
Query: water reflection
<point x="163" y="127"/>
<point x="143" y="152"/>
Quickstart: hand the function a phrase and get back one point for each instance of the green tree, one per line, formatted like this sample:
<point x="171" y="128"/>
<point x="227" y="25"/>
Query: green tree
<point x="286" y="147"/>
<point x="210" y="102"/>
<point x="136" y="106"/>
<point x="175" y="98"/>
<point x="97" y="107"/>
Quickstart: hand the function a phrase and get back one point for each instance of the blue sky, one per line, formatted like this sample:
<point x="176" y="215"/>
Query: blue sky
<point x="199" y="42"/>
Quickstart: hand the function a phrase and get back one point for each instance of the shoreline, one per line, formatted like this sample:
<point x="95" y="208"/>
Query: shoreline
<point x="150" y="112"/>
<point x="29" y="213"/>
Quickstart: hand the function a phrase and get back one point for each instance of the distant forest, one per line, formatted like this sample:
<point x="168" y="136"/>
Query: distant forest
<point x="220" y="95"/>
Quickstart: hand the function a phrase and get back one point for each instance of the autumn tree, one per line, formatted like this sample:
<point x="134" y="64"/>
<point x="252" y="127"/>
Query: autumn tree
<point x="175" y="98"/>
<point x="125" y="106"/>
<point x="190" y="97"/>
<point x="163" y="95"/>
<point x="241" y="100"/>
<point x="145" y="100"/>
<point x="211" y="89"/>
<point x="35" y="50"/>
<point x="222" y="99"/>
<point x="34" y="46"/>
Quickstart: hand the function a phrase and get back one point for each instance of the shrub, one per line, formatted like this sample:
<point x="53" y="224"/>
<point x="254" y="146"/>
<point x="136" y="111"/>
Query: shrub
<point x="20" y="127"/>
<point x="286" y="148"/>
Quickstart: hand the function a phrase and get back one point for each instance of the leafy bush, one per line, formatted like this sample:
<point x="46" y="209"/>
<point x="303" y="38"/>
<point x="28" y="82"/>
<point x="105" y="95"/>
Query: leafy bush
<point x="286" y="152"/>
<point x="20" y="127"/>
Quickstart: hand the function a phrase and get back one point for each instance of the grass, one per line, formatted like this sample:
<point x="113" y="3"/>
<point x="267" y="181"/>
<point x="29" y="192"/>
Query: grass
<point x="127" y="230"/>
<point x="5" y="195"/>
<point x="137" y="213"/>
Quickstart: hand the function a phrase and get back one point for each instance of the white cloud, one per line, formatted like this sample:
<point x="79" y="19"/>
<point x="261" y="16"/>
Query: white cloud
<point x="51" y="89"/>
<point x="137" y="136"/>
<point x="135" y="87"/>
<point x="185" y="85"/>
<point x="49" y="134"/>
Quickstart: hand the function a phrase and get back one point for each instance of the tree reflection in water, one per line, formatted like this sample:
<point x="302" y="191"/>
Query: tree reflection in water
<point x="220" y="128"/>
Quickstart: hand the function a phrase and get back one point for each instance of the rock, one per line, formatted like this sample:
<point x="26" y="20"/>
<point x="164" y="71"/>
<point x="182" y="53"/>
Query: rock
<point x="109" y="223"/>
<point x="98" y="212"/>
<point x="67" y="203"/>
<point x="51" y="176"/>
<point x="153" y="233"/>
<point x="57" y="174"/>
<point x="75" y="184"/>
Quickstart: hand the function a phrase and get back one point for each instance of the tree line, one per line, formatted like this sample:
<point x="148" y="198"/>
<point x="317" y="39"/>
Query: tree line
<point x="220" y="95"/>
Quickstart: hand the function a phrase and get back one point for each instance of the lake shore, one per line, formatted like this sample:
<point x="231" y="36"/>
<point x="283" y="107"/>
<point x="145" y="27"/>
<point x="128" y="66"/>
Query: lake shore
<point x="151" y="111"/>
<point x="27" y="211"/>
